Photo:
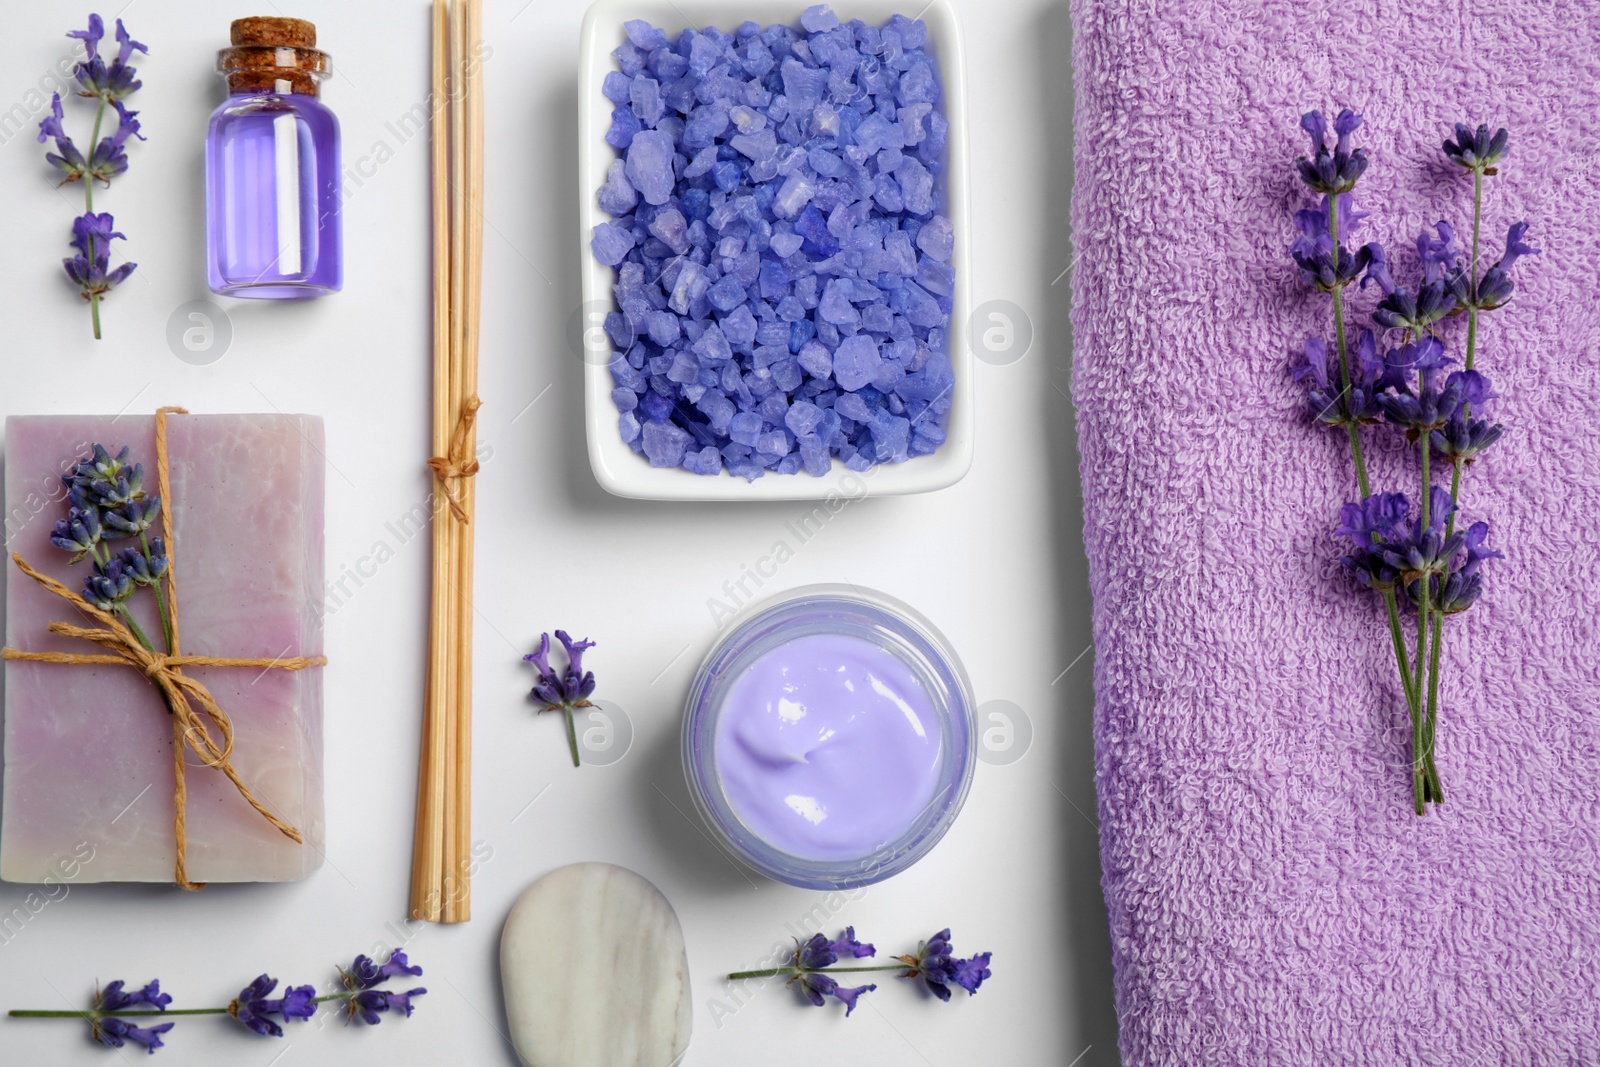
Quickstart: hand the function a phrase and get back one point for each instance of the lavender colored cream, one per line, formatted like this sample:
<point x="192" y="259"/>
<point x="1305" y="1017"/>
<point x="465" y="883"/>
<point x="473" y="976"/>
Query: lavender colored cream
<point x="828" y="747"/>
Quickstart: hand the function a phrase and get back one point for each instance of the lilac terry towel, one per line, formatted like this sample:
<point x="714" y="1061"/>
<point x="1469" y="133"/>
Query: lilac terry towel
<point x="1272" y="899"/>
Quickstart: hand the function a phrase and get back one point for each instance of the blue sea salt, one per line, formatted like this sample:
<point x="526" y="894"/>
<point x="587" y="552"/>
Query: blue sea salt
<point x="611" y="243"/>
<point x="664" y="443"/>
<point x="649" y="166"/>
<point x="855" y="362"/>
<point x="783" y="281"/>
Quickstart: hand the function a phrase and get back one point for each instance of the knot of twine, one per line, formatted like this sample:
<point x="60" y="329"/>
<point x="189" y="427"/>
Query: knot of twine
<point x="460" y="461"/>
<point x="189" y="701"/>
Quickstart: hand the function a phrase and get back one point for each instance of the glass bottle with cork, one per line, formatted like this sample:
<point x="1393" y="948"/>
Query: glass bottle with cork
<point x="273" y="228"/>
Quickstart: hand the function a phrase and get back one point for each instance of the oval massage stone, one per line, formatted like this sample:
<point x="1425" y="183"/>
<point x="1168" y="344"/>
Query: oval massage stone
<point x="595" y="973"/>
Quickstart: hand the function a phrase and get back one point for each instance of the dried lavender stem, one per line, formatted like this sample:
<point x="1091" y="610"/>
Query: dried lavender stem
<point x="572" y="735"/>
<point x="161" y="598"/>
<point x="31" y="1013"/>
<point x="1455" y="485"/>
<point x="88" y="206"/>
<point x="778" y="972"/>
<point x="1402" y="662"/>
<point x="133" y="625"/>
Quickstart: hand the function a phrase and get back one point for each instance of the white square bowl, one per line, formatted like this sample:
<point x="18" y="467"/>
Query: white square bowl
<point x="619" y="469"/>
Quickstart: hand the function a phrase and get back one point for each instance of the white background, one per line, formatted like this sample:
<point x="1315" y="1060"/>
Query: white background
<point x="996" y="562"/>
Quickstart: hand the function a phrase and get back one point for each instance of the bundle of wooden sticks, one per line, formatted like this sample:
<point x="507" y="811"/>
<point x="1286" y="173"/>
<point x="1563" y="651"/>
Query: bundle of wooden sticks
<point x="441" y="888"/>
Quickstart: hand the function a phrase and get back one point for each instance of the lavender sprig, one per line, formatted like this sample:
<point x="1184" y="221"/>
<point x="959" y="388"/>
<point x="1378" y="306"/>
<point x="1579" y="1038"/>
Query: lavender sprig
<point x="109" y="83"/>
<point x="363" y="999"/>
<point x="108" y="503"/>
<point x="1416" y="559"/>
<point x="566" y="690"/>
<point x="812" y="968"/>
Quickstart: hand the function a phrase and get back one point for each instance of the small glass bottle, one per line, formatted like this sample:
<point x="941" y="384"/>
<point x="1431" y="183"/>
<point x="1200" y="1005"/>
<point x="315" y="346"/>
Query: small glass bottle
<point x="272" y="168"/>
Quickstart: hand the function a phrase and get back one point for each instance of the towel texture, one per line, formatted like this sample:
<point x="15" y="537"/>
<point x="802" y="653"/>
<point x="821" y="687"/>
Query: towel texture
<point x="1272" y="899"/>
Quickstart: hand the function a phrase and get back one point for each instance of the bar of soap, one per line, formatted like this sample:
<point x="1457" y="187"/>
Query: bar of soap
<point x="88" y="749"/>
<point x="595" y="972"/>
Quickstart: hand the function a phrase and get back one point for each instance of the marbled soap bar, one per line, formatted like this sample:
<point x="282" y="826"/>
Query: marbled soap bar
<point x="88" y="749"/>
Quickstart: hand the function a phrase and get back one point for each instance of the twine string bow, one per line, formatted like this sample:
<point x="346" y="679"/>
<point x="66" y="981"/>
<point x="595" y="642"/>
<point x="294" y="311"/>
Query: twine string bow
<point x="460" y="461"/>
<point x="188" y="700"/>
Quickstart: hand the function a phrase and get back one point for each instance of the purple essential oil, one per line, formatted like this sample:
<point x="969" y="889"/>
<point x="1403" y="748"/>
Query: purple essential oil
<point x="272" y="168"/>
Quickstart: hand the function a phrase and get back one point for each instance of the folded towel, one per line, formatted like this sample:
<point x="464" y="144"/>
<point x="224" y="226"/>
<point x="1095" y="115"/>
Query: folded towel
<point x="1272" y="898"/>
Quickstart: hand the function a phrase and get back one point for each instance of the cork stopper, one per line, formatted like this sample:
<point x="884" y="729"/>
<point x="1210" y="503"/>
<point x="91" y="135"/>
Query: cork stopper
<point x="271" y="54"/>
<point x="273" y="32"/>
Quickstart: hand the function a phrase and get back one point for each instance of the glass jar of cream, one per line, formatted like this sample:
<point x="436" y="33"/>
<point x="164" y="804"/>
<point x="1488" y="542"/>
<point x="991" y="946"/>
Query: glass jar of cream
<point x="828" y="738"/>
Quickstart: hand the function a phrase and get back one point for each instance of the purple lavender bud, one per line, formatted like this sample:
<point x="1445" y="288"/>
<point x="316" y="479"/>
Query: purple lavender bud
<point x="368" y="1004"/>
<point x="1336" y="171"/>
<point x="1477" y="149"/>
<point x="114" y="997"/>
<point x="847" y="945"/>
<point x="79" y="532"/>
<point x="90" y="37"/>
<point x="1458" y="592"/>
<point x="969" y="974"/>
<point x="540" y="657"/>
<point x="108" y="158"/>
<point x="1374" y="519"/>
<point x="253" y="1005"/>
<point x="1477" y="551"/>
<point x="402" y="1001"/>
<point x="1462" y="439"/>
<point x="363" y="973"/>
<point x="816" y="986"/>
<point x="398" y="965"/>
<point x="848" y="997"/>
<point x="113" y="1033"/>
<point x="1496" y="286"/>
<point x="132" y="518"/>
<point x="109" y="585"/>
<point x="1438" y="254"/>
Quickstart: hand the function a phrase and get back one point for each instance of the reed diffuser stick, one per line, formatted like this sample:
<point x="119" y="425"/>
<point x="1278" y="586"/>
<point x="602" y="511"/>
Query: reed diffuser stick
<point x="440" y="887"/>
<point x="428" y="850"/>
<point x="459" y="868"/>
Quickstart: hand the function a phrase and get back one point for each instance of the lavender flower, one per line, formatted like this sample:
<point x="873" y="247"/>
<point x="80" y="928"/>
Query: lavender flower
<point x="366" y="1002"/>
<point x="108" y="158"/>
<point x="812" y="970"/>
<point x="1439" y="255"/>
<point x="109" y="586"/>
<point x="567" y="689"/>
<point x="1427" y="405"/>
<point x="252" y="1006"/>
<point x="79" y="532"/>
<point x="936" y="965"/>
<point x="1336" y="171"/>
<point x="1426" y="549"/>
<point x="111" y="1013"/>
<point x="66" y="158"/>
<point x="1463" y="439"/>
<point x="1496" y="286"/>
<point x="811" y="957"/>
<point x="1400" y="309"/>
<point x="365" y="972"/>
<point x="146" y="569"/>
<point x="114" y="997"/>
<point x="1477" y="149"/>
<point x="113" y="1032"/>
<point x="132" y="518"/>
<point x="113" y="80"/>
<point x="1373" y="525"/>
<point x="109" y="83"/>
<point x="1369" y="377"/>
<point x="91" y="268"/>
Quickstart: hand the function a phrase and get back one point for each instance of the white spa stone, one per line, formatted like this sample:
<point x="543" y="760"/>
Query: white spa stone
<point x="594" y="971"/>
